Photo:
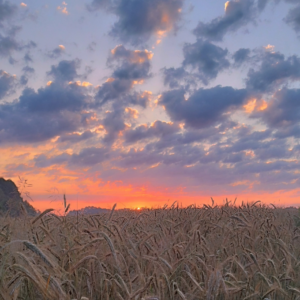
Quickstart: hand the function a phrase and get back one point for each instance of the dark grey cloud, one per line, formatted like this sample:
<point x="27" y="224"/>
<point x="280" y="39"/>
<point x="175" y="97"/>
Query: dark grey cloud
<point x="130" y="64"/>
<point x="66" y="70"/>
<point x="208" y="58"/>
<point x="274" y="70"/>
<point x="283" y="110"/>
<point x="8" y="44"/>
<point x="7" y="10"/>
<point x="138" y="20"/>
<point x="27" y="72"/>
<point x="7" y="83"/>
<point x="43" y="161"/>
<point x="175" y="77"/>
<point x="56" y="52"/>
<point x="241" y="56"/>
<point x="87" y="157"/>
<point x="158" y="129"/>
<point x="237" y="14"/>
<point x="27" y="58"/>
<point x="54" y="98"/>
<point x="293" y="18"/>
<point x="205" y="107"/>
<point x="129" y="68"/>
<point x="114" y="123"/>
<point x="112" y="89"/>
<point x="76" y="137"/>
<point x="38" y="116"/>
<point x="250" y="145"/>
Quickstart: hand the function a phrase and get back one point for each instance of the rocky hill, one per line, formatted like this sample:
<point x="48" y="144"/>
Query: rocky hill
<point x="11" y="200"/>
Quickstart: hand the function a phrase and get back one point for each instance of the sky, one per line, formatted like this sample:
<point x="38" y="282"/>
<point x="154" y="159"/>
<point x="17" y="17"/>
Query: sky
<point x="147" y="102"/>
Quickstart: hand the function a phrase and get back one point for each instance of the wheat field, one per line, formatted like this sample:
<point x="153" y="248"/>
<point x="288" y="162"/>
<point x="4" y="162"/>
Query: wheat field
<point x="171" y="253"/>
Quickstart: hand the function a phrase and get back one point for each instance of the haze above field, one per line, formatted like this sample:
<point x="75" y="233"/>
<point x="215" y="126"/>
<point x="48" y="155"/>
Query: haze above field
<point x="145" y="102"/>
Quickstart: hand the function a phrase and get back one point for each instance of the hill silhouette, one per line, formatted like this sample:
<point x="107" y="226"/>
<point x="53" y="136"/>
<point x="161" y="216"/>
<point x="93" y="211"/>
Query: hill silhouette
<point x="89" y="210"/>
<point x="11" y="200"/>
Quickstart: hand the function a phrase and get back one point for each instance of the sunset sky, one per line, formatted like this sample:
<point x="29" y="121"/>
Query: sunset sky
<point x="147" y="102"/>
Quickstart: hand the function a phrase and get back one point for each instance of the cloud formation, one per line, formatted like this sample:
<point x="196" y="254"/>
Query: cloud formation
<point x="205" y="107"/>
<point x="130" y="67"/>
<point x="7" y="83"/>
<point x="56" y="52"/>
<point x="39" y="116"/>
<point x="293" y="18"/>
<point x="208" y="58"/>
<point x="65" y="70"/>
<point x="274" y="70"/>
<point x="7" y="10"/>
<point x="237" y="14"/>
<point x="138" y="20"/>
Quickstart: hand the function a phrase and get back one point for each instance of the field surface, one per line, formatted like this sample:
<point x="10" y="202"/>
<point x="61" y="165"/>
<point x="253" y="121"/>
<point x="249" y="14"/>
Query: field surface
<point x="213" y="252"/>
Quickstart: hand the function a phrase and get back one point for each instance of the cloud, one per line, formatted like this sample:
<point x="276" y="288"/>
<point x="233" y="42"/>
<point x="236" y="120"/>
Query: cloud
<point x="97" y="4"/>
<point x="138" y="20"/>
<point x="237" y="14"/>
<point x="205" y="107"/>
<point x="38" y="116"/>
<point x="241" y="56"/>
<point x="57" y="52"/>
<point x="117" y="120"/>
<point x="130" y="67"/>
<point x="175" y="77"/>
<point x="66" y="70"/>
<point x="114" y="123"/>
<point x="112" y="89"/>
<point x="63" y="8"/>
<point x="130" y="64"/>
<point x="208" y="58"/>
<point x="274" y="70"/>
<point x="87" y="157"/>
<point x="27" y="72"/>
<point x="293" y="18"/>
<point x="7" y="10"/>
<point x="8" y="44"/>
<point x="159" y="129"/>
<point x="283" y="111"/>
<point x="28" y="58"/>
<point x="7" y="83"/>
<point x="76" y="137"/>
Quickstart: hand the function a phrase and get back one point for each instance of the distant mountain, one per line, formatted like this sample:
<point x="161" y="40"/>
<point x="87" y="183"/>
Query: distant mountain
<point x="89" y="210"/>
<point x="11" y="200"/>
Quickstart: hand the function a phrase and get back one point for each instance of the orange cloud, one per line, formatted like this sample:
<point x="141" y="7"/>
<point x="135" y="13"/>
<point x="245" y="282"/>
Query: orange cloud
<point x="263" y="106"/>
<point x="226" y="5"/>
<point x="270" y="48"/>
<point x="255" y="105"/>
<point x="86" y="84"/>
<point x="250" y="106"/>
<point x="23" y="4"/>
<point x="133" y="113"/>
<point x="63" y="8"/>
